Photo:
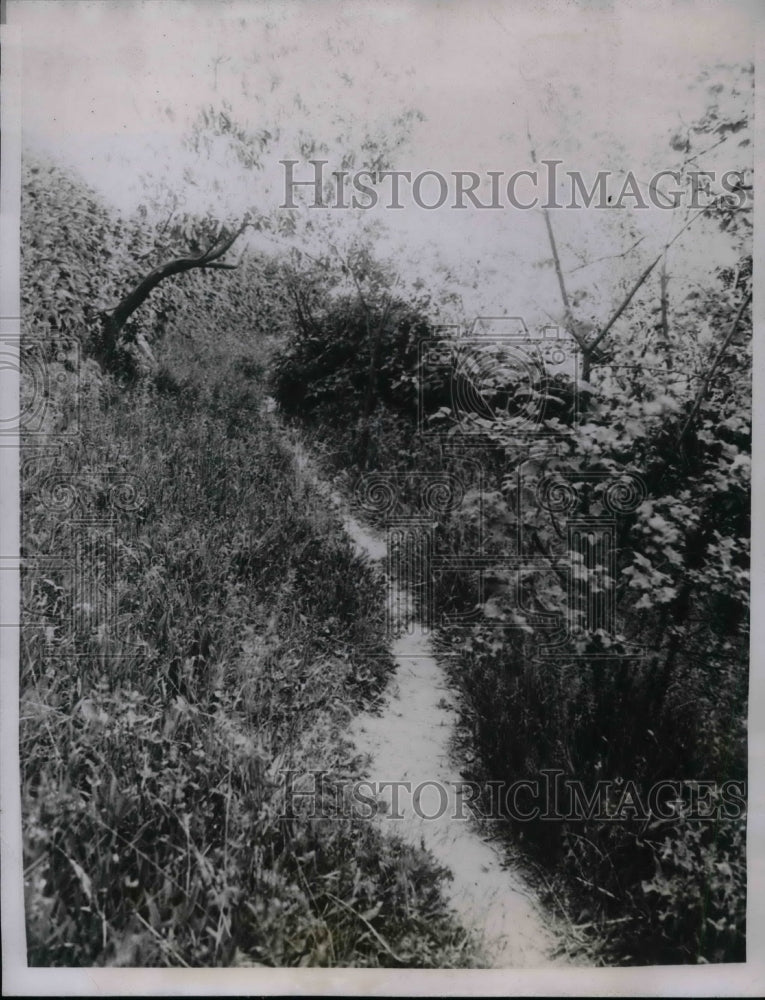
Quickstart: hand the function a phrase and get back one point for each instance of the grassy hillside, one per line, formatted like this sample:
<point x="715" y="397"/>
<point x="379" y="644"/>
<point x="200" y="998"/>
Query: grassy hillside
<point x="196" y="623"/>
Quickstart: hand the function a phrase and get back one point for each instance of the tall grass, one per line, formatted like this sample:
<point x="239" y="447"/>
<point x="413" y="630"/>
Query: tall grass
<point x="244" y="631"/>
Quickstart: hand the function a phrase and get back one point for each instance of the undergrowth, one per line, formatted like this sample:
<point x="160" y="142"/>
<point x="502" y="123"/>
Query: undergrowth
<point x="203" y="627"/>
<point x="659" y="885"/>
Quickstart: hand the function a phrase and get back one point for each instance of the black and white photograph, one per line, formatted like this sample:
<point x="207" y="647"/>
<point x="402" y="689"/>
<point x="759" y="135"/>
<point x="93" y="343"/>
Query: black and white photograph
<point x="377" y="531"/>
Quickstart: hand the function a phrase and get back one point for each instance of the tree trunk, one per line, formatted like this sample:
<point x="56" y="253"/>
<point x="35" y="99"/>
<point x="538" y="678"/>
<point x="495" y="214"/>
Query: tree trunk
<point x="114" y="320"/>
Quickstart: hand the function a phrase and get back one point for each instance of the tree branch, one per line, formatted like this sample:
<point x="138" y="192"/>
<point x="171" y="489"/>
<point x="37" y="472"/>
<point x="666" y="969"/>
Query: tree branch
<point x="556" y="261"/>
<point x="592" y="346"/>
<point x="115" y="319"/>
<point x="612" y="256"/>
<point x="715" y="365"/>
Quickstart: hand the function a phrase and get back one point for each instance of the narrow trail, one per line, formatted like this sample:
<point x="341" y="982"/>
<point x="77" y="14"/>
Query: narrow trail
<point x="411" y="741"/>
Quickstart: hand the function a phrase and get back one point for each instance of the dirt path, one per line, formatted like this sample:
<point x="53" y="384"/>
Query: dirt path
<point x="411" y="741"/>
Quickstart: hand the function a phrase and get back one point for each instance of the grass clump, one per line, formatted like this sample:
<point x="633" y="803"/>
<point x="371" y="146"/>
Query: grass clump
<point x="200" y="632"/>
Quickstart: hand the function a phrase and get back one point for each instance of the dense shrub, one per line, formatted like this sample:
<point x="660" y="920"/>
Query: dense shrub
<point x="351" y="358"/>
<point x="666" y="891"/>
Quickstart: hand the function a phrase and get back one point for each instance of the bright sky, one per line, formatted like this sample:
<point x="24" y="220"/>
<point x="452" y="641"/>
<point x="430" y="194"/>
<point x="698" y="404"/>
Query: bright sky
<point x="111" y="86"/>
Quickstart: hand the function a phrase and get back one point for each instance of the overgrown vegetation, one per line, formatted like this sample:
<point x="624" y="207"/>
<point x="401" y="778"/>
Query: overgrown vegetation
<point x="657" y="692"/>
<point x="195" y="623"/>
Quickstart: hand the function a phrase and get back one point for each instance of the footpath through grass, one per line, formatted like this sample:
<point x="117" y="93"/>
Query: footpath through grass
<point x="204" y="625"/>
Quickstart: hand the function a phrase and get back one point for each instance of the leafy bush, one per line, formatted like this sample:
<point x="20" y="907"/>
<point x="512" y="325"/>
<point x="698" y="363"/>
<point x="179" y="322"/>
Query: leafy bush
<point x="351" y="358"/>
<point x="681" y="593"/>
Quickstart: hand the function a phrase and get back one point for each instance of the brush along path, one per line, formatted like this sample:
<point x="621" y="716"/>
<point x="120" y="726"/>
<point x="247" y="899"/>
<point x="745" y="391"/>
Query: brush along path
<point x="410" y="741"/>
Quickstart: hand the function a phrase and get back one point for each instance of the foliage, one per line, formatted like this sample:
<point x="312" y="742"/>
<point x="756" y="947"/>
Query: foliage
<point x="204" y="625"/>
<point x="243" y="612"/>
<point x="79" y="261"/>
<point x="352" y="355"/>
<point x="663" y="696"/>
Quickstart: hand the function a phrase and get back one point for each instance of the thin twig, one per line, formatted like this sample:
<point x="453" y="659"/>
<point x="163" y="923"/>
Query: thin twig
<point x="715" y="364"/>
<point x="556" y="261"/>
<point x="592" y="346"/>
<point x="612" y="256"/>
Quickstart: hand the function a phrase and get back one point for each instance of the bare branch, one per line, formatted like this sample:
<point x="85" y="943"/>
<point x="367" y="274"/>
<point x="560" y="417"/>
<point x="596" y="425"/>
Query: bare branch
<point x="218" y="248"/>
<point x="715" y="365"/>
<point x="115" y="319"/>
<point x="570" y="322"/>
<point x="665" y="309"/>
<point x="611" y="256"/>
<point x="591" y="347"/>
